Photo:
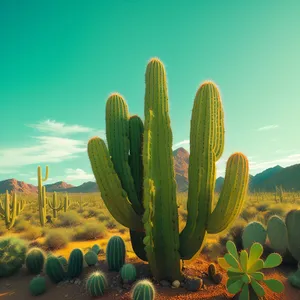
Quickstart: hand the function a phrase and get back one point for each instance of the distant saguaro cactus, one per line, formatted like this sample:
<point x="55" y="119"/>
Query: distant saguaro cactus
<point x="55" y="206"/>
<point x="42" y="197"/>
<point x="136" y="174"/>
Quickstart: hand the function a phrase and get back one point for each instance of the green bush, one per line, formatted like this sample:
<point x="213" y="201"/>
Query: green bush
<point x="12" y="255"/>
<point x="69" y="219"/>
<point x="90" y="231"/>
<point x="56" y="239"/>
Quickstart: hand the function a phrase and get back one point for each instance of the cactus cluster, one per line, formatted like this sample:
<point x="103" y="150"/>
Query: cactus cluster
<point x="11" y="208"/>
<point x="136" y="174"/>
<point x="54" y="269"/>
<point x="284" y="238"/>
<point x="243" y="271"/>
<point x="115" y="253"/>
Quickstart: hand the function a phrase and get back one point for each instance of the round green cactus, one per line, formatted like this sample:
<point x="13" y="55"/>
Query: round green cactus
<point x="115" y="253"/>
<point x="96" y="284"/>
<point x="244" y="270"/>
<point x="143" y="290"/>
<point x="37" y="286"/>
<point x="254" y="232"/>
<point x="12" y="255"/>
<point x="54" y="269"/>
<point x="128" y="273"/>
<point x="91" y="258"/>
<point x="75" y="263"/>
<point x="35" y="259"/>
<point x="96" y="248"/>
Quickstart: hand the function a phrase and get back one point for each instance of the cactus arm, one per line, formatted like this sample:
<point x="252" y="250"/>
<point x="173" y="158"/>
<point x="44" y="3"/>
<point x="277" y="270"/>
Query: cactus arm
<point x="136" y="129"/>
<point x="232" y="196"/>
<point x="117" y="133"/>
<point x="114" y="197"/>
<point x="161" y="216"/>
<point x="292" y="221"/>
<point x="206" y="140"/>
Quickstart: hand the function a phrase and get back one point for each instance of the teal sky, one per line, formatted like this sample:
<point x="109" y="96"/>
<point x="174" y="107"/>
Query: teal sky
<point x="61" y="59"/>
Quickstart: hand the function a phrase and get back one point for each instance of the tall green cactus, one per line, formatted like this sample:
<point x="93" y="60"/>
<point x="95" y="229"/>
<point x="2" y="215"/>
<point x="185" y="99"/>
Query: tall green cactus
<point x="67" y="202"/>
<point x="10" y="209"/>
<point x="137" y="180"/>
<point x="42" y="197"/>
<point x="55" y="206"/>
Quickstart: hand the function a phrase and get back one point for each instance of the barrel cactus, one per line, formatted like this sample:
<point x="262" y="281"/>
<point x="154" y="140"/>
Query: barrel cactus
<point x="115" y="253"/>
<point x="75" y="263"/>
<point x="54" y="269"/>
<point x="91" y="258"/>
<point x="143" y="290"/>
<point x="128" y="273"/>
<point x="63" y="261"/>
<point x="12" y="255"/>
<point x="254" y="232"/>
<point x="37" y="286"/>
<point x="136" y="174"/>
<point x="96" y="284"/>
<point x="96" y="248"/>
<point x="35" y="259"/>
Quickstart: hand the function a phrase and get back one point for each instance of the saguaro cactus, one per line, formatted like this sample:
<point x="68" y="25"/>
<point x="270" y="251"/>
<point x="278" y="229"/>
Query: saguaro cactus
<point x="42" y="197"/>
<point x="67" y="203"/>
<point x="55" y="206"/>
<point x="137" y="180"/>
<point x="9" y="209"/>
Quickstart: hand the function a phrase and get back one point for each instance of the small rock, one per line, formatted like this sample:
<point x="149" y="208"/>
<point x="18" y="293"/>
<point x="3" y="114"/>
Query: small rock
<point x="164" y="283"/>
<point x="193" y="284"/>
<point x="176" y="284"/>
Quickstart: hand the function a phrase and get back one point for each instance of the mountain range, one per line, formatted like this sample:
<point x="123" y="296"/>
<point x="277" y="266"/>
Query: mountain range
<point x="288" y="178"/>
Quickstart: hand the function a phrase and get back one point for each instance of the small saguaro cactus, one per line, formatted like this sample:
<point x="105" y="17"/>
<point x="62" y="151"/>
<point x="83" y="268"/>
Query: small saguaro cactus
<point x="34" y="261"/>
<point x="96" y="284"/>
<point x="55" y="206"/>
<point x="244" y="274"/>
<point x="9" y="210"/>
<point x="115" y="253"/>
<point x="75" y="263"/>
<point x="54" y="269"/>
<point x="143" y="290"/>
<point x="136" y="176"/>
<point x="67" y="202"/>
<point x="42" y="197"/>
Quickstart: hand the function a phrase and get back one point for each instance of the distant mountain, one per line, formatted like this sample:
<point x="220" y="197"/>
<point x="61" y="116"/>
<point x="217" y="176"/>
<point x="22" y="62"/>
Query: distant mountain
<point x="181" y="165"/>
<point x="18" y="186"/>
<point x="87" y="187"/>
<point x="58" y="186"/>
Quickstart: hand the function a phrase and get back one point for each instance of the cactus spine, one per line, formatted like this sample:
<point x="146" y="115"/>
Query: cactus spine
<point x="137" y="180"/>
<point x="55" y="206"/>
<point x="42" y="197"/>
<point x="9" y="209"/>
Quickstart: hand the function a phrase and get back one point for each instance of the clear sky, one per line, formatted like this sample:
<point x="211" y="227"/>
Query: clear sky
<point x="59" y="61"/>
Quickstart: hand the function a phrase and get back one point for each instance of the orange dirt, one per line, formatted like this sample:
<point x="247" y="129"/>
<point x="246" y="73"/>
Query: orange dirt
<point x="16" y="287"/>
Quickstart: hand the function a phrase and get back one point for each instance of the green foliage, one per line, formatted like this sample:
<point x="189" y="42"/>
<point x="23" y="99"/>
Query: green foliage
<point x="136" y="174"/>
<point x="34" y="261"/>
<point x="37" y="286"/>
<point x="91" y="258"/>
<point x="115" y="253"/>
<point x="96" y="284"/>
<point x="143" y="290"/>
<point x="254" y="232"/>
<point x="75" y="263"/>
<point x="54" y="269"/>
<point x="128" y="273"/>
<point x="244" y="270"/>
<point x="12" y="255"/>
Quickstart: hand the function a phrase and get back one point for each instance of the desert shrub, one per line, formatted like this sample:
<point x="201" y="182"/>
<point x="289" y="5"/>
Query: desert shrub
<point x="21" y="225"/>
<point x="249" y="213"/>
<point x="89" y="231"/>
<point x="112" y="224"/>
<point x="32" y="233"/>
<point x="278" y="209"/>
<point x="12" y="255"/>
<point x="2" y="228"/>
<point x="102" y="217"/>
<point x="69" y="219"/>
<point x="262" y="207"/>
<point x="56" y="239"/>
